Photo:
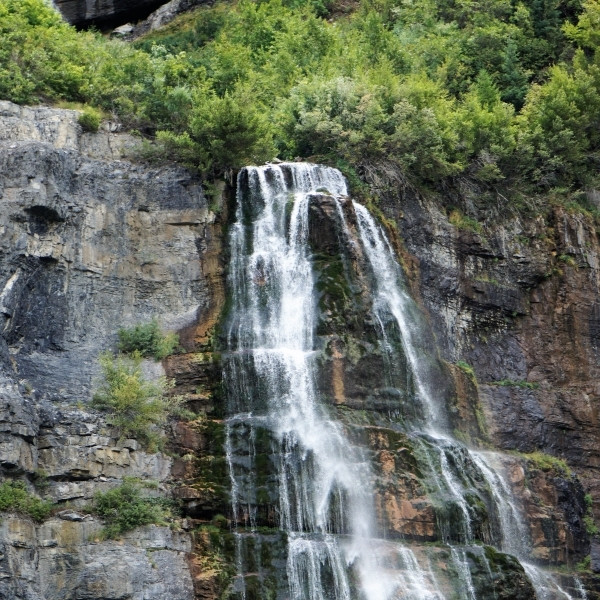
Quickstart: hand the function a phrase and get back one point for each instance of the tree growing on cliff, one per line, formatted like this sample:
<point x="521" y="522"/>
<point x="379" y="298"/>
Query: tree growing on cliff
<point x="135" y="406"/>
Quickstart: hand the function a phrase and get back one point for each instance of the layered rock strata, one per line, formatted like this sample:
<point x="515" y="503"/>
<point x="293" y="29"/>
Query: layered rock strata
<point x="518" y="301"/>
<point x="89" y="242"/>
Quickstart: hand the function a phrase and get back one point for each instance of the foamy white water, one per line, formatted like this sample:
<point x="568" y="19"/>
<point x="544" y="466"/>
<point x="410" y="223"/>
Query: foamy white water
<point x="325" y="498"/>
<point x="324" y="481"/>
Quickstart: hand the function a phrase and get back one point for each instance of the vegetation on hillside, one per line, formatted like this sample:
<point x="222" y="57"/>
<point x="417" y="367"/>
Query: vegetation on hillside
<point x="498" y="92"/>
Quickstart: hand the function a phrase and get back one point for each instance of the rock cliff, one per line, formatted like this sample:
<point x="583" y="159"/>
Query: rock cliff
<point x="518" y="301"/>
<point x="127" y="19"/>
<point x="477" y="312"/>
<point x="89" y="242"/>
<point x="105" y="13"/>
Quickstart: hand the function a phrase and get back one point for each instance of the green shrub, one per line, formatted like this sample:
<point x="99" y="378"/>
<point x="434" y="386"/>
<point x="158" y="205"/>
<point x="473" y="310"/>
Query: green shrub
<point x="124" y="508"/>
<point x="546" y="462"/>
<point x="148" y="340"/>
<point x="590" y="524"/>
<point x="588" y="519"/>
<point x="225" y="131"/>
<point x="461" y="221"/>
<point x="134" y="405"/>
<point x="584" y="565"/>
<point x="89" y="119"/>
<point x="14" y="497"/>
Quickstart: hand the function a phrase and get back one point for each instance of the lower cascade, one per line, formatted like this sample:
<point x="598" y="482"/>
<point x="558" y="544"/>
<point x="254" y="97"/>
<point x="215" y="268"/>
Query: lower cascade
<point x="347" y="481"/>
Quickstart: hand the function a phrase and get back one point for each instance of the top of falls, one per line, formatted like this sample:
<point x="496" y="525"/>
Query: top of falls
<point x="297" y="178"/>
<point x="271" y="271"/>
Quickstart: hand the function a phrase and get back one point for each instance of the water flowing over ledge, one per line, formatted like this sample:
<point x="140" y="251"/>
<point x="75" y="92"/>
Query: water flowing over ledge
<point x="321" y="483"/>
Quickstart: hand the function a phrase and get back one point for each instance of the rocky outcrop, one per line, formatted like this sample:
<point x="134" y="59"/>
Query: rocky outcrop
<point x="128" y="19"/>
<point x="68" y="456"/>
<point x="517" y="300"/>
<point x="514" y="299"/>
<point x="63" y="558"/>
<point x="105" y="13"/>
<point x="89" y="242"/>
<point x="163" y="15"/>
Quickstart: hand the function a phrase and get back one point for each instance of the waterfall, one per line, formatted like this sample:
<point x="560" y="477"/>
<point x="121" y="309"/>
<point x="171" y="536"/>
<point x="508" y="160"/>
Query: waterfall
<point x="317" y="474"/>
<point x="392" y="300"/>
<point x="395" y="301"/>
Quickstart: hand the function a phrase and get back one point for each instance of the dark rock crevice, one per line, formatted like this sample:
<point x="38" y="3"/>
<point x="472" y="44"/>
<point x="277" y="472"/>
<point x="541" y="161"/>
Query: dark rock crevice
<point x="106" y="14"/>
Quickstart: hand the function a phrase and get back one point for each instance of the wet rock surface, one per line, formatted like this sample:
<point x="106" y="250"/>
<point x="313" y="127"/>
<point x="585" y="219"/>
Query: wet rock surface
<point x="517" y="301"/>
<point x="481" y="293"/>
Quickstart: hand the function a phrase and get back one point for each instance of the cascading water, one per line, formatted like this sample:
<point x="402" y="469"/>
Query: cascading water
<point x="323" y="479"/>
<point x="325" y="502"/>
<point x="392" y="300"/>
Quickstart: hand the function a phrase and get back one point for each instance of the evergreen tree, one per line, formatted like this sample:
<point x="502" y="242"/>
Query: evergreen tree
<point x="512" y="78"/>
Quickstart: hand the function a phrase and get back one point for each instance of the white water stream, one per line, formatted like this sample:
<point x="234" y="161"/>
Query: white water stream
<point x="514" y="538"/>
<point x="334" y="551"/>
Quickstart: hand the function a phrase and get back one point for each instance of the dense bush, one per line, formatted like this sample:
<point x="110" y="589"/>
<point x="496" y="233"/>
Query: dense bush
<point x="506" y="93"/>
<point x="89" y="119"/>
<point x="134" y="405"/>
<point x="124" y="508"/>
<point x="14" y="497"/>
<point x="148" y="340"/>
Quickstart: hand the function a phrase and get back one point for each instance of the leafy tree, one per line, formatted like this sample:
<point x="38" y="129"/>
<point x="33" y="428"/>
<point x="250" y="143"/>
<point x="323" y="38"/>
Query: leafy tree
<point x="485" y="121"/>
<point x="560" y="127"/>
<point x="134" y="405"/>
<point x="229" y="131"/>
<point x="586" y="33"/>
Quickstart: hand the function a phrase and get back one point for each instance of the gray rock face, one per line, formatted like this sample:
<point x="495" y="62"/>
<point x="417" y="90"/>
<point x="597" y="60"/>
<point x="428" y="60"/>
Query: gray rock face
<point x="89" y="242"/>
<point x="163" y="15"/>
<point x="88" y="245"/>
<point x="63" y="559"/>
<point x="78" y="453"/>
